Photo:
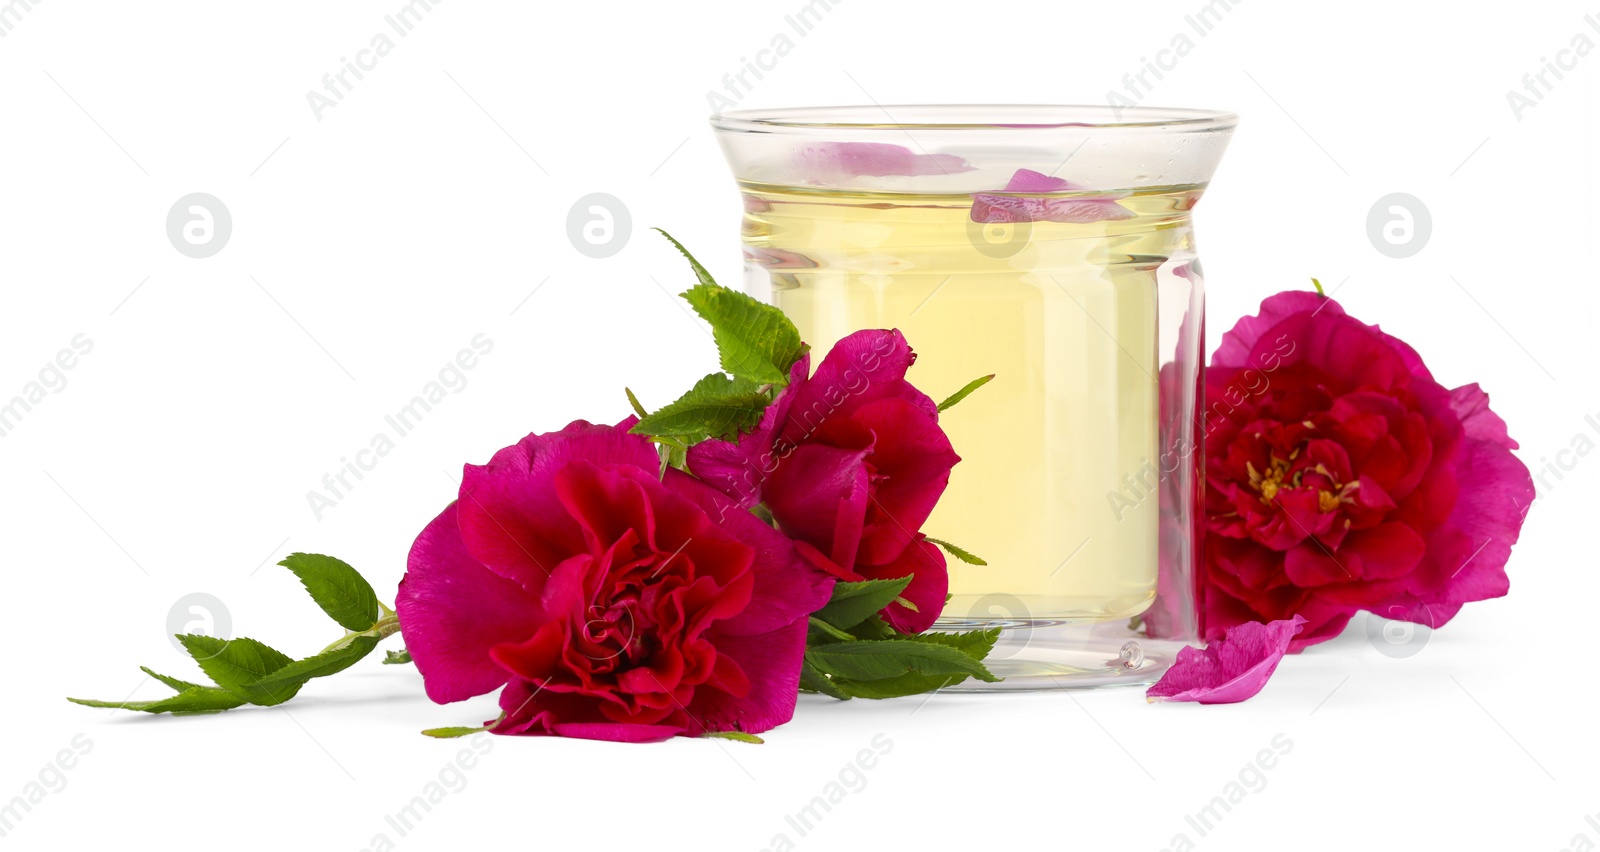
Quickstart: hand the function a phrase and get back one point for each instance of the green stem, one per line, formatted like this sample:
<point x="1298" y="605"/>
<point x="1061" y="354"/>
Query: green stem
<point x="830" y="630"/>
<point x="387" y="625"/>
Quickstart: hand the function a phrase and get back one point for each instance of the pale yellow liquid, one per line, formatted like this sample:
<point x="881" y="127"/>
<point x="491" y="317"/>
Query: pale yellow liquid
<point x="1067" y="322"/>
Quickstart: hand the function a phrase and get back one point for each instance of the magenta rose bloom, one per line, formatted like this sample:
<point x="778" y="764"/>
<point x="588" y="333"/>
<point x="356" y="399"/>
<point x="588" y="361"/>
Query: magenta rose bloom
<point x="609" y="603"/>
<point x="850" y="462"/>
<point x="1341" y="477"/>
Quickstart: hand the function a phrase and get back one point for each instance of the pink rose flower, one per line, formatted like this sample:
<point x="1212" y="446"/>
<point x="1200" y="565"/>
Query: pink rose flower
<point x="850" y="462"/>
<point x="609" y="603"/>
<point x="1342" y="477"/>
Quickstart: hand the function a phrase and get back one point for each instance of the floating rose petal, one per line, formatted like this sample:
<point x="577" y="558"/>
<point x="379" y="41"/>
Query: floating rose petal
<point x="1028" y="180"/>
<point x="1228" y="670"/>
<point x="874" y="159"/>
<point x="991" y="208"/>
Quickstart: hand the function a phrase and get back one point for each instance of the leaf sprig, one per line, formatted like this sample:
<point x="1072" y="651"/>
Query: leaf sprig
<point x="246" y="671"/>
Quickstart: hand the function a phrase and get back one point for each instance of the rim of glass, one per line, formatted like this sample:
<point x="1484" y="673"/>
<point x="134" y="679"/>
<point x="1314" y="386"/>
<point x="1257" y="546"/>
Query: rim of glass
<point x="1009" y="118"/>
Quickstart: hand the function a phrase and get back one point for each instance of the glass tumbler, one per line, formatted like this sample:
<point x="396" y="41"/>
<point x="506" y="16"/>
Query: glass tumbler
<point x="1052" y="247"/>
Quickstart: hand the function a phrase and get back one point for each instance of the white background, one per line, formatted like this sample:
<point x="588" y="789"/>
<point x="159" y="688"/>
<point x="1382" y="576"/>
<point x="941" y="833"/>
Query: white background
<point x="431" y="204"/>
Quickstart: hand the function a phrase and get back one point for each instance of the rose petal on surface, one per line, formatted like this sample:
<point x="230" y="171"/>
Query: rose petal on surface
<point x="1229" y="670"/>
<point x="453" y="610"/>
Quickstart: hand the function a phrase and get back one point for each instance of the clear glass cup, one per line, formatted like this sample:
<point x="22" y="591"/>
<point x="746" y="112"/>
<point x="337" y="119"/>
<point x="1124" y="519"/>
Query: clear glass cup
<point x="1051" y="246"/>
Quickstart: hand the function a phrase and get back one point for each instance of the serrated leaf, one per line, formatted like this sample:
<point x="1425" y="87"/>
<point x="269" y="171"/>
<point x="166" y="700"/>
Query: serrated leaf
<point x="813" y="679"/>
<point x="957" y="552"/>
<point x="874" y="627"/>
<point x="896" y="687"/>
<point x="238" y="665"/>
<point x="262" y="675"/>
<point x="451" y="732"/>
<point x="295" y="675"/>
<point x="699" y="271"/>
<point x="962" y="394"/>
<point x="396" y="658"/>
<point x="737" y="736"/>
<point x="974" y="643"/>
<point x="853" y="602"/>
<point x="715" y="407"/>
<point x="196" y="699"/>
<point x="887" y="658"/>
<point x="176" y="684"/>
<point x="755" y="340"/>
<point x="340" y="590"/>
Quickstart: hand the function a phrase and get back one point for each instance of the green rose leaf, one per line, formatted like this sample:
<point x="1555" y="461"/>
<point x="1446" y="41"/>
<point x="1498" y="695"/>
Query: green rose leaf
<point x="262" y="675"/>
<point x="700" y="272"/>
<point x="238" y="665"/>
<point x="890" y="658"/>
<point x="715" y="407"/>
<point x="853" y="603"/>
<point x="974" y="643"/>
<point x="736" y="736"/>
<point x="340" y="590"/>
<point x="177" y="685"/>
<point x="451" y="733"/>
<point x="194" y="700"/>
<point x="633" y="402"/>
<point x="296" y="674"/>
<point x="957" y="552"/>
<point x="754" y="339"/>
<point x="896" y="687"/>
<point x="812" y="678"/>
<point x="962" y="394"/>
